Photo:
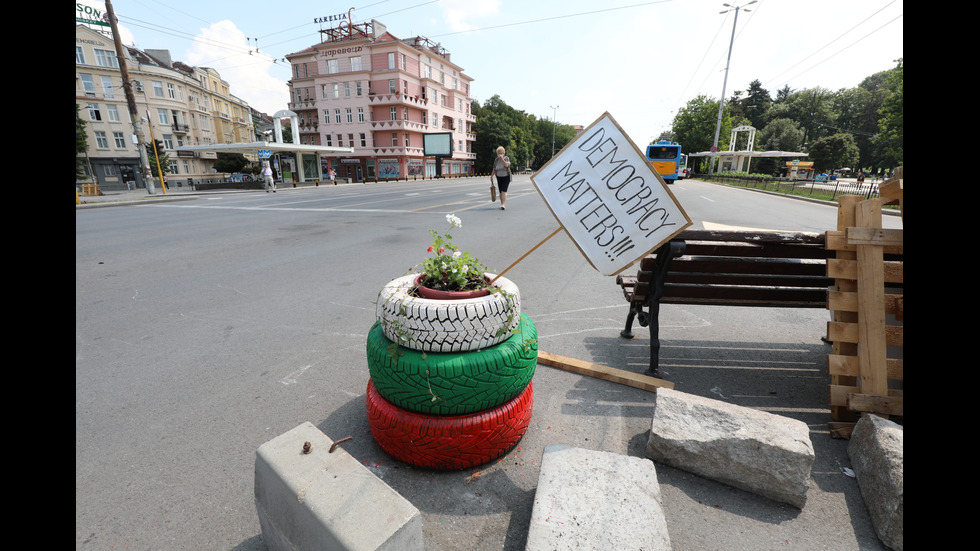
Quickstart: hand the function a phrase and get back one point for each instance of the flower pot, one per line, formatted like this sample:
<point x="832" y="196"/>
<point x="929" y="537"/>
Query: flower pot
<point x="436" y="294"/>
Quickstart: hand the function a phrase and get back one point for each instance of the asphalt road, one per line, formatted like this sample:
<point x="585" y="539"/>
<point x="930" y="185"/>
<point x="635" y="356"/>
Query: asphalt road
<point x="205" y="328"/>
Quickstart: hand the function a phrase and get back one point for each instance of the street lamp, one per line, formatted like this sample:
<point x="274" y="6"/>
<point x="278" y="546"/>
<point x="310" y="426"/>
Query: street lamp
<point x="721" y="103"/>
<point x="554" y="124"/>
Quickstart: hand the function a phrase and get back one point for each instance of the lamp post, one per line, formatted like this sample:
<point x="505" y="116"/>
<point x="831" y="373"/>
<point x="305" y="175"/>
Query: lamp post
<point x="721" y="103"/>
<point x="554" y="124"/>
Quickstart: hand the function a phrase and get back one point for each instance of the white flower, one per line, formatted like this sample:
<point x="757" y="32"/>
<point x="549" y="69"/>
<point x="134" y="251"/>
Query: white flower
<point x="454" y="220"/>
<point x="465" y="268"/>
<point x="457" y="254"/>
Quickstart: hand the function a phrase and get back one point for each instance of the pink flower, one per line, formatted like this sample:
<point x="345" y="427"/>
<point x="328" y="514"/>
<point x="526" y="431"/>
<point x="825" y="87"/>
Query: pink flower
<point x="442" y="250"/>
<point x="429" y="250"/>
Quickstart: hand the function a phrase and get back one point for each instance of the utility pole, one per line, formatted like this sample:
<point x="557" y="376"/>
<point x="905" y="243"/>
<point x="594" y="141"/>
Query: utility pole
<point x="728" y="64"/>
<point x="134" y="116"/>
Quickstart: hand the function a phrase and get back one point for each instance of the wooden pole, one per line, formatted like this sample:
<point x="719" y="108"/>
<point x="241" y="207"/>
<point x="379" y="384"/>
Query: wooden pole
<point x="525" y="255"/>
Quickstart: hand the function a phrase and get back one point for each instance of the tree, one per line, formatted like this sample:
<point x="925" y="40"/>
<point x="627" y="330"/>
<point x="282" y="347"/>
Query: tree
<point x="694" y="124"/>
<point x="892" y="122"/>
<point x="833" y="152"/>
<point x="81" y="144"/>
<point x="230" y="162"/>
<point x="778" y="135"/>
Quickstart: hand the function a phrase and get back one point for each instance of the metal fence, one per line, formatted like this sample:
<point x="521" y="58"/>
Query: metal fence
<point x="820" y="189"/>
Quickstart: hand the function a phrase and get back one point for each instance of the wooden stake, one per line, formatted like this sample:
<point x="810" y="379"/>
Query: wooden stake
<point x="612" y="374"/>
<point x="525" y="255"/>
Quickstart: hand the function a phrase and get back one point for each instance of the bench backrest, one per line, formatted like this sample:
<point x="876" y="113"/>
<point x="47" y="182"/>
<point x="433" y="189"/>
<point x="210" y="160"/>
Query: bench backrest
<point x="744" y="268"/>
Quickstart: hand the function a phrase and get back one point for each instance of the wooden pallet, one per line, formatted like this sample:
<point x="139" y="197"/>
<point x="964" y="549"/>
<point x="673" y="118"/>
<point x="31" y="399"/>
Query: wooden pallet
<point x="91" y="190"/>
<point x="866" y="367"/>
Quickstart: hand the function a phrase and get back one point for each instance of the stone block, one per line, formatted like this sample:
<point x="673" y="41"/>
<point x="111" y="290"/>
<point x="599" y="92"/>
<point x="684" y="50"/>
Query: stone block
<point x="596" y="500"/>
<point x="321" y="500"/>
<point x="877" y="457"/>
<point x="759" y="452"/>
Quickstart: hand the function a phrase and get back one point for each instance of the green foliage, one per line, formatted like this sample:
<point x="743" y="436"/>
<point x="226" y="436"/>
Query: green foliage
<point x="892" y="121"/>
<point x="833" y="152"/>
<point x="694" y="124"/>
<point x="81" y="144"/>
<point x="451" y="269"/>
<point x="230" y="162"/>
<point x="528" y="139"/>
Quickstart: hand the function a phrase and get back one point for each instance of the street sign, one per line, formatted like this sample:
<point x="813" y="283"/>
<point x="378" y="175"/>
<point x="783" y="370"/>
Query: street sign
<point x="265" y="153"/>
<point x="608" y="198"/>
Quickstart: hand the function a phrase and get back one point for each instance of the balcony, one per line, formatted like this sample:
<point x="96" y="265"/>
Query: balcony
<point x="181" y="128"/>
<point x="397" y="98"/>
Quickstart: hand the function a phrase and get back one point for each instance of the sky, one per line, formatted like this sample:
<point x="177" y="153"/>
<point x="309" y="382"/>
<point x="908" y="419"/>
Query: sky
<point x="568" y="60"/>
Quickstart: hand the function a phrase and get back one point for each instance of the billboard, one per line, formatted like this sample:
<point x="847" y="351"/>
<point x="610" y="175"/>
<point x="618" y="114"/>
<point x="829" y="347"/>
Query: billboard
<point x="439" y="144"/>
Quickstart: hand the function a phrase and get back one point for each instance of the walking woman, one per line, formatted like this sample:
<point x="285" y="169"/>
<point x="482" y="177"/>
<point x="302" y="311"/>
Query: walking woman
<point x="501" y="169"/>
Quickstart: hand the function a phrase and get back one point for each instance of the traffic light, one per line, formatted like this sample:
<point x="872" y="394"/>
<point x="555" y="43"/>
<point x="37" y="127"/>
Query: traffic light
<point x="159" y="145"/>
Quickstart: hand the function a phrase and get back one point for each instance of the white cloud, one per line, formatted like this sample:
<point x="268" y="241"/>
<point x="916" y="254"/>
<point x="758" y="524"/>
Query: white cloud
<point x="225" y="48"/>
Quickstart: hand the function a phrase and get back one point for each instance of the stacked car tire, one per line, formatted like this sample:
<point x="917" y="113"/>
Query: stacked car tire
<point x="450" y="383"/>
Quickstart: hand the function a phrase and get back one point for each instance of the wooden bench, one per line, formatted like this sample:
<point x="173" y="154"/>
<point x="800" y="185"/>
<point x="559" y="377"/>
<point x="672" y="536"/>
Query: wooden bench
<point x="727" y="268"/>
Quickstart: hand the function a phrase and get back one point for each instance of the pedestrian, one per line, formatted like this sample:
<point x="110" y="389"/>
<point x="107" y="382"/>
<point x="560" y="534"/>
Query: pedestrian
<point x="501" y="169"/>
<point x="333" y="176"/>
<point x="860" y="178"/>
<point x="270" y="182"/>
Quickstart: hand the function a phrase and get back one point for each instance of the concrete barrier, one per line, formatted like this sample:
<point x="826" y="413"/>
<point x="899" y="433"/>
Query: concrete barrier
<point x="596" y="500"/>
<point x="877" y="454"/>
<point x="321" y="500"/>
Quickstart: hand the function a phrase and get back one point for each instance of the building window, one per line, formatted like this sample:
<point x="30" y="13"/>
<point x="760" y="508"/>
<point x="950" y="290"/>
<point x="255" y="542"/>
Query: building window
<point x="100" y="140"/>
<point x="106" y="58"/>
<point x="171" y="91"/>
<point x="113" y="111"/>
<point x="93" y="112"/>
<point x="405" y="113"/>
<point x="79" y="55"/>
<point x="164" y="116"/>
<point x="158" y="88"/>
<point x="340" y="140"/>
<point x="393" y="113"/>
<point x="406" y="139"/>
<point x="355" y="64"/>
<point x="329" y="140"/>
<point x="350" y="115"/>
<point x="336" y="91"/>
<point x="108" y="90"/>
<point x="336" y="115"/>
<point x="404" y="64"/>
<point x="391" y="60"/>
<point x="391" y="86"/>
<point x="332" y="66"/>
<point x="326" y="116"/>
<point x="360" y="114"/>
<point x="119" y="139"/>
<point x="394" y="138"/>
<point x="346" y="89"/>
<point x="88" y="85"/>
<point x="350" y="140"/>
<point x="168" y="141"/>
<point x="363" y="140"/>
<point x="357" y="87"/>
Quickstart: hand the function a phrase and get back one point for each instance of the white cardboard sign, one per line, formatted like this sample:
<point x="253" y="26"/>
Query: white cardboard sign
<point x="608" y="198"/>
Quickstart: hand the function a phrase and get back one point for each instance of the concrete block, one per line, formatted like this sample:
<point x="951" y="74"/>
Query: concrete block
<point x="596" y="500"/>
<point x="876" y="449"/>
<point x="756" y="451"/>
<point x="325" y="501"/>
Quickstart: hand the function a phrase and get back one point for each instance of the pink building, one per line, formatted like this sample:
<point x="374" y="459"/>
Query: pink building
<point x="362" y="87"/>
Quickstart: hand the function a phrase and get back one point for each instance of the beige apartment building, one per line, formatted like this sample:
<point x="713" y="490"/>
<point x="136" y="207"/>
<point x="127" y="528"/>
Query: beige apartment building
<point x="181" y="105"/>
<point x="364" y="88"/>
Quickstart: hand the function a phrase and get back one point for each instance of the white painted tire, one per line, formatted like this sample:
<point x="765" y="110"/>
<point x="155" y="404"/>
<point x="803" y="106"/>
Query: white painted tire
<point x="448" y="325"/>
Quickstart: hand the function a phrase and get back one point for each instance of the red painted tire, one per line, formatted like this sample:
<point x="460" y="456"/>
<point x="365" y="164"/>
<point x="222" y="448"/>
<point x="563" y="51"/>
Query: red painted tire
<point x="451" y="441"/>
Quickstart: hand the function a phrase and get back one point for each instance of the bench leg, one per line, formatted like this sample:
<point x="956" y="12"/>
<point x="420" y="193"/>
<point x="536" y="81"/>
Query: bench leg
<point x="628" y="332"/>
<point x="654" y="323"/>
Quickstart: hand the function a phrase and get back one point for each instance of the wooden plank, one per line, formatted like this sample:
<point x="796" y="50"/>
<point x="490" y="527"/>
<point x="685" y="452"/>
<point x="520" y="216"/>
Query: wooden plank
<point x="875" y="236"/>
<point x="845" y="219"/>
<point x="848" y="333"/>
<point x="628" y="378"/>
<point x="839" y="394"/>
<point x="837" y="241"/>
<point x="882" y="405"/>
<point x="847" y="269"/>
<point x="850" y="366"/>
<point x="871" y="298"/>
<point x="841" y="429"/>
<point x="848" y="302"/>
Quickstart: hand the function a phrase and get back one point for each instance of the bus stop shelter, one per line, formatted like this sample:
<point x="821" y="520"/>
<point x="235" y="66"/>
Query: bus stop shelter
<point x="734" y="160"/>
<point x="292" y="162"/>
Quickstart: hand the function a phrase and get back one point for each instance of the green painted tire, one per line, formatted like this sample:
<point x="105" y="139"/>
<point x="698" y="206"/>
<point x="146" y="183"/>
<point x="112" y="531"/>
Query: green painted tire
<point x="453" y="383"/>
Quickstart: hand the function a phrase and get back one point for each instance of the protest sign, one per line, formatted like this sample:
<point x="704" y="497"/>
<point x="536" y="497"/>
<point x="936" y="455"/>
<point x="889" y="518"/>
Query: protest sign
<point x="608" y="198"/>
